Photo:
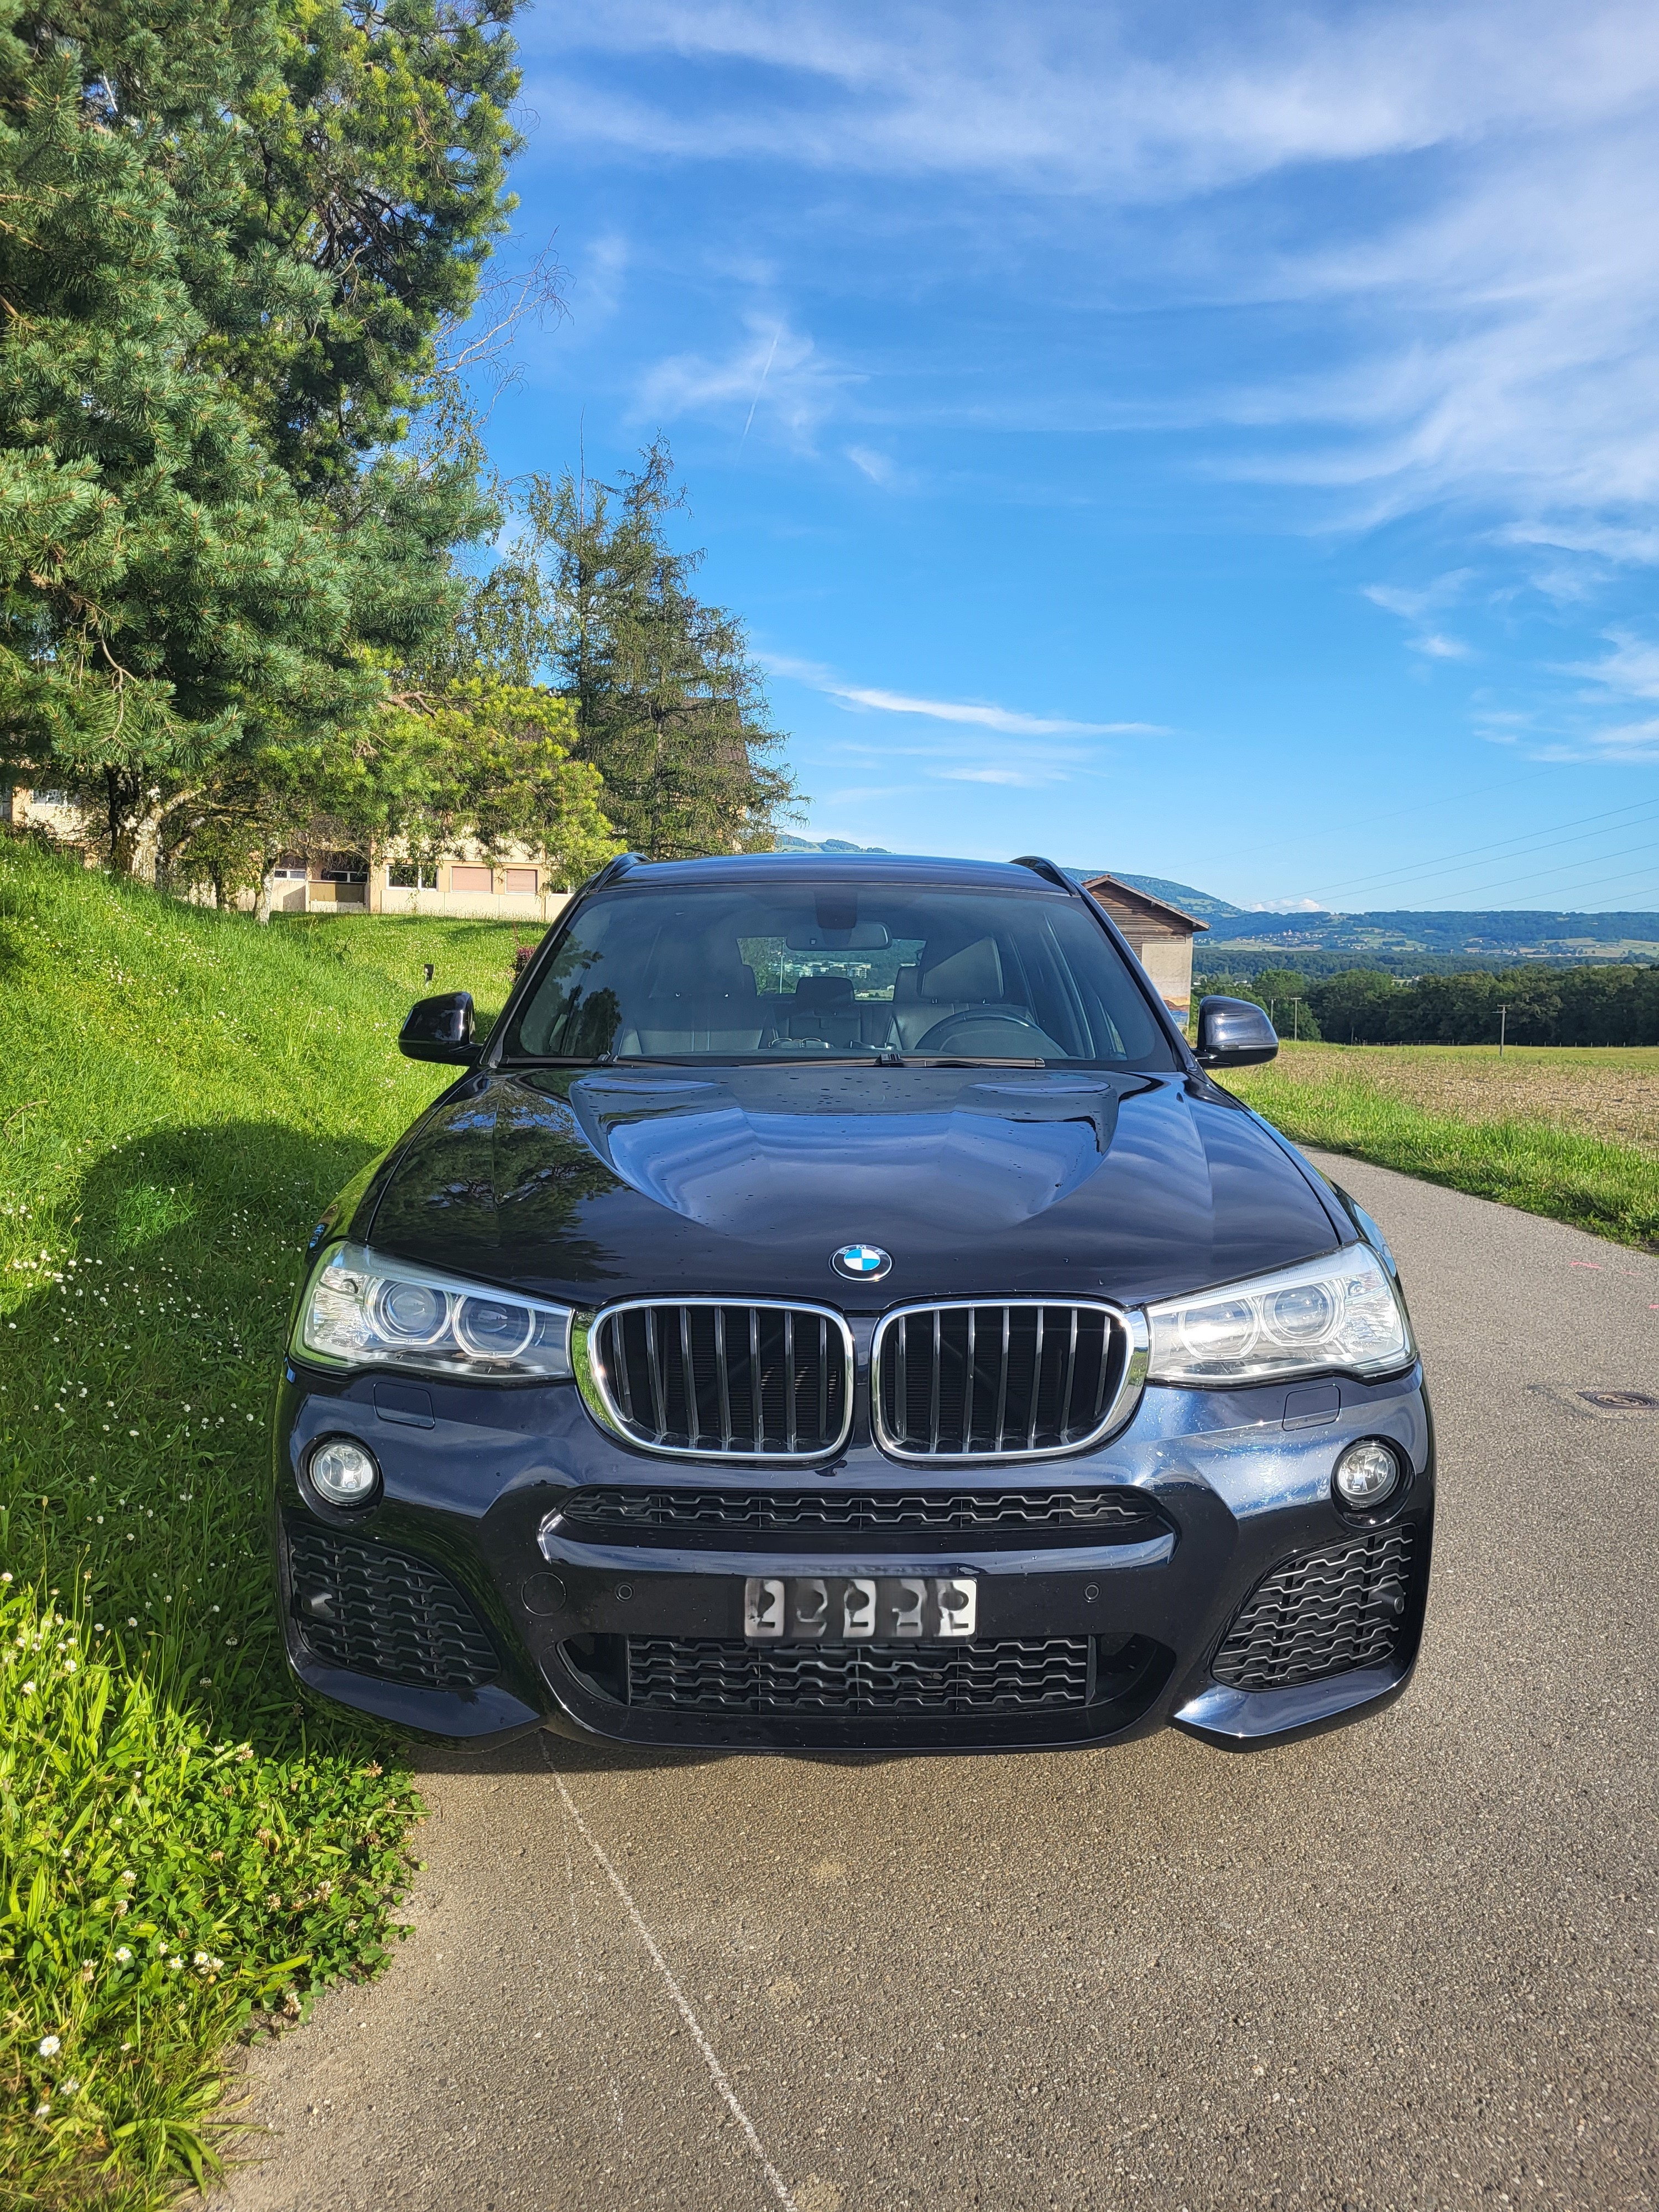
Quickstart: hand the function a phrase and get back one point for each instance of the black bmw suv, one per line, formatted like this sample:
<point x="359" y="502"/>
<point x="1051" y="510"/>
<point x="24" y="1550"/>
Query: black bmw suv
<point x="836" y="1307"/>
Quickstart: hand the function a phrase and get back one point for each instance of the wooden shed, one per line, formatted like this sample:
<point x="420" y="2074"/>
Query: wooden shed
<point x="1160" y="935"/>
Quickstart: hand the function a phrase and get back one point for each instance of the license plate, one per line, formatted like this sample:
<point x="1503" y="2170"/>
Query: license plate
<point x="859" y="1608"/>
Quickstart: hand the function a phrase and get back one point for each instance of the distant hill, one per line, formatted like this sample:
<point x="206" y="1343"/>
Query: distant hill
<point x="1405" y="942"/>
<point x="785" y="843"/>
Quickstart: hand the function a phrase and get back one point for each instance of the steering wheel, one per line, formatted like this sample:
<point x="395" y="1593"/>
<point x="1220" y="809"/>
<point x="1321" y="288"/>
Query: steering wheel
<point x="1012" y="1036"/>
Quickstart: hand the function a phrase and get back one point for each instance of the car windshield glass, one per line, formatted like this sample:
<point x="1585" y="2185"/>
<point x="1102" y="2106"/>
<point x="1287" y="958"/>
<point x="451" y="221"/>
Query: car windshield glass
<point x="813" y="971"/>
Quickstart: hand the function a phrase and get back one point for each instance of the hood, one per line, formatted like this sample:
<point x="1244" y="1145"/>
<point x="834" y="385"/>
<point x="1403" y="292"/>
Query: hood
<point x="589" y="1186"/>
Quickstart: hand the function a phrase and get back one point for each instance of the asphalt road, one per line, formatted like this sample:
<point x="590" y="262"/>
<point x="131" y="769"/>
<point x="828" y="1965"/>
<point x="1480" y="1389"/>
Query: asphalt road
<point x="1408" y="1964"/>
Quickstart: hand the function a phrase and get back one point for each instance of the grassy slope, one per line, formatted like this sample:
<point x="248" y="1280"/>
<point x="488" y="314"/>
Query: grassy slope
<point x="181" y="1093"/>
<point x="1359" y="1102"/>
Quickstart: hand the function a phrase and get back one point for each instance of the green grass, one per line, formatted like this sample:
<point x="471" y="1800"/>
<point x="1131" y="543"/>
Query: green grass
<point x="1319" y="1096"/>
<point x="182" y="1845"/>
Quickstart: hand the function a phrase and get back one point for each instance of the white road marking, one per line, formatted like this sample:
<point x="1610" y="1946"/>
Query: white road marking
<point x="717" y="2072"/>
<point x="581" y="1977"/>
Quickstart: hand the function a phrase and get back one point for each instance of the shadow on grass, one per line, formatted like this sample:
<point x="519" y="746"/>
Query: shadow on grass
<point x="134" y="1467"/>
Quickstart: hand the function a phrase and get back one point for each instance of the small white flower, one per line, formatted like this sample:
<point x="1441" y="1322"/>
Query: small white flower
<point x="68" y="1666"/>
<point x="123" y="1956"/>
<point x="126" y="1875"/>
<point x="28" y="1689"/>
<point x="49" y="2046"/>
<point x="175" y="1964"/>
<point x="67" y="2089"/>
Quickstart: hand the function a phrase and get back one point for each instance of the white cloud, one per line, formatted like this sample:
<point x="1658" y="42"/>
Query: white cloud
<point x="1631" y="669"/>
<point x="775" y="373"/>
<point x="875" y="465"/>
<point x="1475" y="241"/>
<point x="1105" y="98"/>
<point x="970" y="712"/>
<point x="1416" y="606"/>
<point x="1024" y="778"/>
<point x="1626" y="743"/>
<point x="1288" y="906"/>
<point x="982" y="717"/>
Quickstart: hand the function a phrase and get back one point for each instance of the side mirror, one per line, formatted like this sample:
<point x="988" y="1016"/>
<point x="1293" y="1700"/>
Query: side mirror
<point x="440" y="1029"/>
<point x="1234" y="1033"/>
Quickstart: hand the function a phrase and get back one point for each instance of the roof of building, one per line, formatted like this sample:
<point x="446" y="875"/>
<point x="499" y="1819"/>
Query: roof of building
<point x="1143" y="903"/>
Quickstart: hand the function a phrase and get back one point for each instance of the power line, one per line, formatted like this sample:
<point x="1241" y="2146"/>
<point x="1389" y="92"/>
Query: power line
<point x="1370" y="821"/>
<point x="1567" y="867"/>
<point x="1469" y="852"/>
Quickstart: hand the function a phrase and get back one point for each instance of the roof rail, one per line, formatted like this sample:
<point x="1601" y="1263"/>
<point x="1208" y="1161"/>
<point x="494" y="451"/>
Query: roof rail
<point x="618" y="864"/>
<point x="1039" y="866"/>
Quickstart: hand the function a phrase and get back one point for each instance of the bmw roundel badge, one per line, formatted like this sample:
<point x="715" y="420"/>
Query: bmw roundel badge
<point x="861" y="1263"/>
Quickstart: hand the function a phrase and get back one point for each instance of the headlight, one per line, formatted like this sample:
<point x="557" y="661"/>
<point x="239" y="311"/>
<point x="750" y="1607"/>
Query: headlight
<point x="362" y="1309"/>
<point x="1337" y="1312"/>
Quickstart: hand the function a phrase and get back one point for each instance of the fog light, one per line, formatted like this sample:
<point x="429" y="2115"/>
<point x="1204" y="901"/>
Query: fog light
<point x="344" y="1473"/>
<point x="1366" y="1473"/>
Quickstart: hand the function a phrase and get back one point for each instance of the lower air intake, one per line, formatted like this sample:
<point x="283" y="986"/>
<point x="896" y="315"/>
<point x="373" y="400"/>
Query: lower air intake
<point x="695" y="1675"/>
<point x="1324" y="1614"/>
<point x="385" y="1613"/>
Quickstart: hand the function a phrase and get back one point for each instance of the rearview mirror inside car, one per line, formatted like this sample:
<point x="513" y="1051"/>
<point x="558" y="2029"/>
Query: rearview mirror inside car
<point x="1234" y="1033"/>
<point x="861" y="937"/>
<point x="440" y="1028"/>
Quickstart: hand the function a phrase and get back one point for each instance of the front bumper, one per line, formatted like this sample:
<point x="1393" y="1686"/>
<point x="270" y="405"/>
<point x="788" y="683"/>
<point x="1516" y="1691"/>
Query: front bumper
<point x="1232" y="1484"/>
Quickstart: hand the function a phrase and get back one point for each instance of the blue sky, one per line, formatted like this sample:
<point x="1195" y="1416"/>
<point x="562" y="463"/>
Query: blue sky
<point x="1218" y="442"/>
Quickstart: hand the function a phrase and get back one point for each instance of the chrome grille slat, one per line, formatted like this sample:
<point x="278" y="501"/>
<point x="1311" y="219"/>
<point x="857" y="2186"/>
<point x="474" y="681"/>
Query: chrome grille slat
<point x="757" y="1391"/>
<point x="725" y="1379"/>
<point x="1033" y="1365"/>
<point x="789" y="1376"/>
<point x="653" y="1368"/>
<point x="721" y="1377"/>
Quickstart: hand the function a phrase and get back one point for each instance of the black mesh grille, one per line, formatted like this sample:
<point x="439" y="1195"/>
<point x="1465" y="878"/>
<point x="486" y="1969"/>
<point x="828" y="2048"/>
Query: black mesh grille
<point x="690" y="1674"/>
<point x="756" y="1516"/>
<point x="1324" y="1613"/>
<point x="385" y="1612"/>
<point x="965" y="1382"/>
<point x="769" y="1382"/>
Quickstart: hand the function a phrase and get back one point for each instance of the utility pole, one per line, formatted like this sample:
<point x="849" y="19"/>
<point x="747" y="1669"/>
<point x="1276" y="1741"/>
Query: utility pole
<point x="1503" y="1025"/>
<point x="1295" y="1020"/>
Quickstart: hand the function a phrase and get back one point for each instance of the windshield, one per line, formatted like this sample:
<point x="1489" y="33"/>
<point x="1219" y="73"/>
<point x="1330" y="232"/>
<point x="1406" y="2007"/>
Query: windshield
<point x="815" y="971"/>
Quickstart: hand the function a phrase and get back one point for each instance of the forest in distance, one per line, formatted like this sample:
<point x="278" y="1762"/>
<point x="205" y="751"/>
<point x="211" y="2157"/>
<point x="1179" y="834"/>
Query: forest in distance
<point x="1534" y="1004"/>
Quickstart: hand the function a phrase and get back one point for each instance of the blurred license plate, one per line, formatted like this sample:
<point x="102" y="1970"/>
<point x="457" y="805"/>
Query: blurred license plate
<point x="859" y="1608"/>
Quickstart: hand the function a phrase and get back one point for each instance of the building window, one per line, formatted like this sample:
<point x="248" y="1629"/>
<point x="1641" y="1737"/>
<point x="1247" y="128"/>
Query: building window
<point x="342" y="868"/>
<point x="290" y="870"/>
<point x="470" y="879"/>
<point x="408" y="875"/>
<point x="521" y="880"/>
<point x="49" y="798"/>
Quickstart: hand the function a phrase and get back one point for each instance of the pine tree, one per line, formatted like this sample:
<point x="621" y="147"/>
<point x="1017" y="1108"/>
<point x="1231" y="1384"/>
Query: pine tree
<point x="669" y="705"/>
<point x="232" y="232"/>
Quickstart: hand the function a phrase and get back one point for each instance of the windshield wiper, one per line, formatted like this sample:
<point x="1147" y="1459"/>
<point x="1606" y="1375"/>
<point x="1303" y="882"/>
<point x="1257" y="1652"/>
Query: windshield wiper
<point x="741" y="1060"/>
<point x="952" y="1060"/>
<point x="563" y="1059"/>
